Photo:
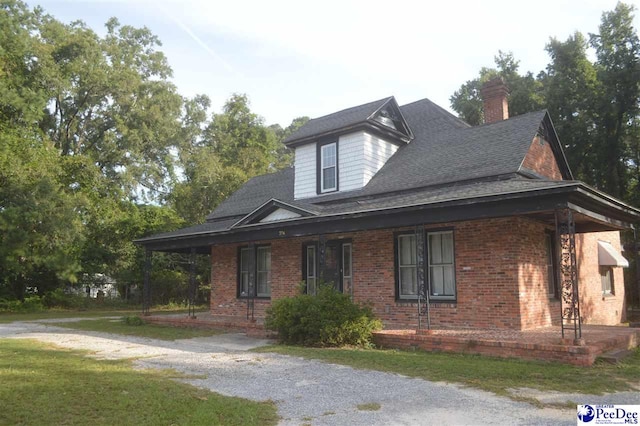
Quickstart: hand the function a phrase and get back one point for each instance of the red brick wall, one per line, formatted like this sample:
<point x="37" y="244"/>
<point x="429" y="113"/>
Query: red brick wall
<point x="540" y="159"/>
<point x="538" y="307"/>
<point x="594" y="307"/>
<point x="500" y="268"/>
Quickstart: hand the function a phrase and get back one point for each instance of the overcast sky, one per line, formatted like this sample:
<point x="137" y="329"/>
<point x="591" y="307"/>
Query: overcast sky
<point x="295" y="58"/>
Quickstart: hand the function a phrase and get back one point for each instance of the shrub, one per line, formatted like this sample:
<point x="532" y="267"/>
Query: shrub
<point x="329" y="318"/>
<point x="132" y="320"/>
<point x="29" y="304"/>
<point x="59" y="299"/>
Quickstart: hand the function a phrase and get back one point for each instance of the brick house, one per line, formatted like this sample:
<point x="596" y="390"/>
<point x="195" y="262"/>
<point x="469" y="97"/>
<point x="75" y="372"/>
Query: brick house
<point x="426" y="218"/>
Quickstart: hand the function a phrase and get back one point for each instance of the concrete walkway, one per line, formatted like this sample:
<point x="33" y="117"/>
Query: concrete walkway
<point x="309" y="392"/>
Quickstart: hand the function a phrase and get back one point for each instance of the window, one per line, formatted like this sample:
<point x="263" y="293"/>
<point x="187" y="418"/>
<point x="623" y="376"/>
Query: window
<point x="552" y="286"/>
<point x="311" y="276"/>
<point x="243" y="275"/>
<point x="407" y="267"/>
<point x="441" y="270"/>
<point x="261" y="265"/>
<point x="347" y="278"/>
<point x="606" y="277"/>
<point x="329" y="167"/>
<point x="263" y="271"/>
<point x="439" y="266"/>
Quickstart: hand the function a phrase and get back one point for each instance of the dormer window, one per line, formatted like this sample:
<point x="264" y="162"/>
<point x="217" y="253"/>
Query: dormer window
<point x="328" y="167"/>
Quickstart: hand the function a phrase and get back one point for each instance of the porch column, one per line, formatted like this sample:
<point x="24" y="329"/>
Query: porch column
<point x="423" y="291"/>
<point x="192" y="283"/>
<point x="252" y="282"/>
<point x="321" y="254"/>
<point x="567" y="273"/>
<point x="146" y="289"/>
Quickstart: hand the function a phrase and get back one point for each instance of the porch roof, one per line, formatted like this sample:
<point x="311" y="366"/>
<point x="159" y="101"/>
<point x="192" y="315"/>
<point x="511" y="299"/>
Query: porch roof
<point x="517" y="196"/>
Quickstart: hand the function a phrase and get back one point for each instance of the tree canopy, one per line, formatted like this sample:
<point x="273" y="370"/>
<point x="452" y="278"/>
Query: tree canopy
<point x="98" y="148"/>
<point x="595" y="104"/>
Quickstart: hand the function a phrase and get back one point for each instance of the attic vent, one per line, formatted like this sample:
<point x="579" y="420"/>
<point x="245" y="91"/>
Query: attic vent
<point x="386" y="118"/>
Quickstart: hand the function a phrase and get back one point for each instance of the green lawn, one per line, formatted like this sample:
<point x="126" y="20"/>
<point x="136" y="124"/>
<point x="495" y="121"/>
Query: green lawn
<point x="44" y="386"/>
<point x="6" y="317"/>
<point x="492" y="374"/>
<point x="153" y="331"/>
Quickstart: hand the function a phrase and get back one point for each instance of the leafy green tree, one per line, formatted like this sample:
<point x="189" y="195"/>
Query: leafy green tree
<point x="234" y="147"/>
<point x="40" y="231"/>
<point x="571" y="88"/>
<point x="618" y="68"/>
<point x="525" y="91"/>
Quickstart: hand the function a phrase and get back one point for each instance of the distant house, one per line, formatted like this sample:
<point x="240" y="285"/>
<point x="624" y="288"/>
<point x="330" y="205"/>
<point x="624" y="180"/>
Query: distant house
<point x="424" y="216"/>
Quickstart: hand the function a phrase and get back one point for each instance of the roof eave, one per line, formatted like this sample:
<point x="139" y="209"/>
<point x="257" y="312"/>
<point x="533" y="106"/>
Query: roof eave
<point x="630" y="213"/>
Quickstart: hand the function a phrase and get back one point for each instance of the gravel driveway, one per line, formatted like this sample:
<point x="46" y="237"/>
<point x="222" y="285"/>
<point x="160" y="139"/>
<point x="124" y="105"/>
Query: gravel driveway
<point x="306" y="391"/>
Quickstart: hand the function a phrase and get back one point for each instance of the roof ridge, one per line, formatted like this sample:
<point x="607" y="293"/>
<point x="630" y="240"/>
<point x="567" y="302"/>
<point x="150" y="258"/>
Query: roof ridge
<point x="448" y="114"/>
<point x="515" y="117"/>
<point x="342" y="111"/>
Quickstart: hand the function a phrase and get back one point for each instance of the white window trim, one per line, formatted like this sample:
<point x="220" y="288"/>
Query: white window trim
<point x="322" y="168"/>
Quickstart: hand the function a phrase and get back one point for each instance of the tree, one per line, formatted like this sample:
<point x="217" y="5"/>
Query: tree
<point x="40" y="231"/>
<point x="571" y="88"/>
<point x="618" y="68"/>
<point x="525" y="91"/>
<point x="235" y="146"/>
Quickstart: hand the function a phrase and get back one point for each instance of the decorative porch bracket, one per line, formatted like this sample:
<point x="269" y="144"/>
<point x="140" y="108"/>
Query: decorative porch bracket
<point x="252" y="282"/>
<point x="146" y="288"/>
<point x="567" y="273"/>
<point x="423" y="291"/>
<point x="192" y="283"/>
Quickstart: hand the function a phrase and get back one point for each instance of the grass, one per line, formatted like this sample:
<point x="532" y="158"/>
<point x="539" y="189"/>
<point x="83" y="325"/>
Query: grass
<point x="496" y="375"/>
<point x="6" y="317"/>
<point x="153" y="331"/>
<point x="42" y="386"/>
<point x="371" y="406"/>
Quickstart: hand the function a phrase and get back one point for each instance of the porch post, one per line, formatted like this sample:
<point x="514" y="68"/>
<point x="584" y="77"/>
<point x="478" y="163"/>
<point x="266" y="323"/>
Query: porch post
<point x="636" y="252"/>
<point x="423" y="291"/>
<point x="146" y="289"/>
<point x="192" y="283"/>
<point x="321" y="252"/>
<point x="252" y="282"/>
<point x="567" y="273"/>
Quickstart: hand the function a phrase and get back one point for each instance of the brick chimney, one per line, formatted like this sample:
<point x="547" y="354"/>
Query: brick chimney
<point x="494" y="99"/>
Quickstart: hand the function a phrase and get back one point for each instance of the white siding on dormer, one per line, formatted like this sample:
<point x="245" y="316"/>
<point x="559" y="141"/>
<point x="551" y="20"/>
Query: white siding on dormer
<point x="350" y="161"/>
<point x="305" y="171"/>
<point x="280" y="214"/>
<point x="376" y="153"/>
<point x="360" y="156"/>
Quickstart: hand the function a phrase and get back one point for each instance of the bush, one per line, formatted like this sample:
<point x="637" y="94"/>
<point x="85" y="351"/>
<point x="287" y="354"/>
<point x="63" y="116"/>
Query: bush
<point x="59" y="299"/>
<point x="29" y="304"/>
<point x="132" y="320"/>
<point x="329" y="318"/>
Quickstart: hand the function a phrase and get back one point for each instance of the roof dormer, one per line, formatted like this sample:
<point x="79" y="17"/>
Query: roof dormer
<point x="343" y="151"/>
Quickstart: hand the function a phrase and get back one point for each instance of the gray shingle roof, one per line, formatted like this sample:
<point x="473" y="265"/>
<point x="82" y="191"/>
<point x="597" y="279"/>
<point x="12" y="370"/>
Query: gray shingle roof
<point x="457" y="153"/>
<point x="445" y="150"/>
<point x="256" y="192"/>
<point x="337" y="120"/>
<point x="423" y="196"/>
<point x="446" y="159"/>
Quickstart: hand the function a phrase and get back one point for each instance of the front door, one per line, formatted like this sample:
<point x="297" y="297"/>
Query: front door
<point x="332" y="270"/>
